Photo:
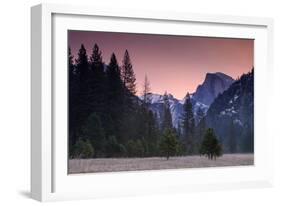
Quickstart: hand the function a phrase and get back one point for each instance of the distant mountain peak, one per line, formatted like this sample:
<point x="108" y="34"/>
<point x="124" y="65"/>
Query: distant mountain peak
<point x="214" y="84"/>
<point x="219" y="75"/>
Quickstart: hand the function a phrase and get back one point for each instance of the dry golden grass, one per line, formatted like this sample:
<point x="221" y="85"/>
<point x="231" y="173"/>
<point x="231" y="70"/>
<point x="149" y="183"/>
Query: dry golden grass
<point x="156" y="163"/>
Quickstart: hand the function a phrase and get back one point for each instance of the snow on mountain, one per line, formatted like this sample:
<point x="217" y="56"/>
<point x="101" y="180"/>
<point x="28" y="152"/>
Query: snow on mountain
<point x="214" y="84"/>
<point x="196" y="105"/>
<point x="176" y="107"/>
<point x="156" y="105"/>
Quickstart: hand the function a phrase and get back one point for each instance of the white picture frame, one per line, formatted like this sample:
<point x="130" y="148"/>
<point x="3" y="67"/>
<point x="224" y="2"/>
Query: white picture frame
<point x="49" y="179"/>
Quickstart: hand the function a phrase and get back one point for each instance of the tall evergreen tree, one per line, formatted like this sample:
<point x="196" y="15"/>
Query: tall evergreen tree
<point x="82" y="64"/>
<point x="97" y="83"/>
<point x="201" y="128"/>
<point x="146" y="92"/>
<point x="96" y="58"/>
<point x="115" y="92"/>
<point x="82" y="105"/>
<point x="169" y="143"/>
<point x="130" y="101"/>
<point x="210" y="146"/>
<point x="128" y="74"/>
<point x="167" y="117"/>
<point x="115" y="87"/>
<point x="153" y="133"/>
<point x="188" y="125"/>
<point x="147" y="128"/>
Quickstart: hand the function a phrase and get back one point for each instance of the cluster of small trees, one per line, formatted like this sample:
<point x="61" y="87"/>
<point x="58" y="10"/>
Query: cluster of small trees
<point x="107" y="119"/>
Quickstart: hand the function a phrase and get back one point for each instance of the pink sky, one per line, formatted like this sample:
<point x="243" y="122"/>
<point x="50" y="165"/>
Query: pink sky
<point x="176" y="64"/>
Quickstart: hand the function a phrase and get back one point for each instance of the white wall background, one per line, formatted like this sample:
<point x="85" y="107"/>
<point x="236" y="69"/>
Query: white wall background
<point x="15" y="102"/>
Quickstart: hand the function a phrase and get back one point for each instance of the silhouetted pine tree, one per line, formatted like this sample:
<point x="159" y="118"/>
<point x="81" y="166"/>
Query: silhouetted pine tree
<point x="153" y="134"/>
<point x="115" y="96"/>
<point x="188" y="125"/>
<point x="146" y="124"/>
<point x="82" y="65"/>
<point x="129" y="79"/>
<point x="210" y="146"/>
<point x="167" y="117"/>
<point x="169" y="144"/>
<point x="130" y="100"/>
<point x="83" y="108"/>
<point x="97" y="83"/>
<point x="128" y="74"/>
<point x="146" y="92"/>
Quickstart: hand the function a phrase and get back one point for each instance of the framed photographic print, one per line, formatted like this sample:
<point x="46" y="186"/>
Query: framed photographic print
<point x="137" y="102"/>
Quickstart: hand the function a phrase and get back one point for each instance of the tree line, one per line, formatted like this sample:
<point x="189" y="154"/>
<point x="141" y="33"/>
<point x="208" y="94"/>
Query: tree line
<point x="107" y="119"/>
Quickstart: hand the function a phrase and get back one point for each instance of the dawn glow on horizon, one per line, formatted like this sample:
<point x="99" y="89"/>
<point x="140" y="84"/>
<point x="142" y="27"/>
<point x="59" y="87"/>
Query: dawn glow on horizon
<point x="176" y="64"/>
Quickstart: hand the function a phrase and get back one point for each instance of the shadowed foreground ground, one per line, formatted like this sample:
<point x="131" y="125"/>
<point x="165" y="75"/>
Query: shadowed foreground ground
<point x="156" y="163"/>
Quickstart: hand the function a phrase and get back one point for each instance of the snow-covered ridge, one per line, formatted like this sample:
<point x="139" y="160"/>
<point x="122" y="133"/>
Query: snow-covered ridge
<point x="176" y="106"/>
<point x="158" y="98"/>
